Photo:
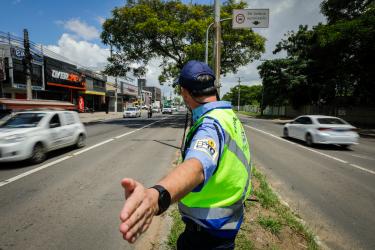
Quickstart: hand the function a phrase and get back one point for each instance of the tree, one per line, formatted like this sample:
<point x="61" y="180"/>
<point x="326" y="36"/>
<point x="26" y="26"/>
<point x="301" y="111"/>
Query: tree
<point x="250" y="95"/>
<point x="175" y="33"/>
<point x="328" y="64"/>
<point x="336" y="10"/>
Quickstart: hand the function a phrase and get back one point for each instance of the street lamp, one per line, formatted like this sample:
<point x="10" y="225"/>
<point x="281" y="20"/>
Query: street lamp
<point x="208" y="28"/>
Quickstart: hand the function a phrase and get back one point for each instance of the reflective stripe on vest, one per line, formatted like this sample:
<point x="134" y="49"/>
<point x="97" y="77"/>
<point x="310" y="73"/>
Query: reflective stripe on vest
<point x="232" y="146"/>
<point x="232" y="167"/>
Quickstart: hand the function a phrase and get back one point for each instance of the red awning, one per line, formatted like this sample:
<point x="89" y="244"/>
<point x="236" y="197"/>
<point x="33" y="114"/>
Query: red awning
<point x="17" y="104"/>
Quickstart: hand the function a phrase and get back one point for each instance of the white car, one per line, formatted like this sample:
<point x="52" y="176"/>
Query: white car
<point x="30" y="135"/>
<point x="321" y="130"/>
<point x="167" y="110"/>
<point x="132" y="112"/>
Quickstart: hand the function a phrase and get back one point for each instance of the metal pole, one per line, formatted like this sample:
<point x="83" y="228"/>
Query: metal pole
<point x="217" y="45"/>
<point x="208" y="29"/>
<point x="239" y="93"/>
<point x="261" y="105"/>
<point x="27" y="64"/>
<point x="206" y="52"/>
<point x="111" y="53"/>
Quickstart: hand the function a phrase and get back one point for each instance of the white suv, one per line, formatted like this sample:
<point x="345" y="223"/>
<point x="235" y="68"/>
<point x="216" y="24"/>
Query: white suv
<point x="31" y="134"/>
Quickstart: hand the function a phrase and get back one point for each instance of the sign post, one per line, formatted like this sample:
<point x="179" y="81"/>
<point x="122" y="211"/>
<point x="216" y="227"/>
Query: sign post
<point x="250" y="18"/>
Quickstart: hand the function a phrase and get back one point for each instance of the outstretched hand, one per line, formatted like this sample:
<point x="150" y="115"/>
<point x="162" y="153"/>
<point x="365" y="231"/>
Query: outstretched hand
<point x="140" y="207"/>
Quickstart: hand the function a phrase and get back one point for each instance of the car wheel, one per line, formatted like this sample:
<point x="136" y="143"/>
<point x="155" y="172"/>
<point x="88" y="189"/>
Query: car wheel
<point x="286" y="133"/>
<point x="309" y="140"/>
<point x="345" y="146"/>
<point x="39" y="154"/>
<point x="81" y="141"/>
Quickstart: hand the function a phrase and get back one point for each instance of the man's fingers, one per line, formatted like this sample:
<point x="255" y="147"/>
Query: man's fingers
<point x="136" y="229"/>
<point x="137" y="215"/>
<point x="134" y="199"/>
<point x="129" y="186"/>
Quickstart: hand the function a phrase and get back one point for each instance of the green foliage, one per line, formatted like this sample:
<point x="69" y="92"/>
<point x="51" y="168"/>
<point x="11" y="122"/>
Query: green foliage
<point x="272" y="224"/>
<point x="175" y="33"/>
<point x="336" y="10"/>
<point x="266" y="196"/>
<point x="249" y="95"/>
<point x="178" y="227"/>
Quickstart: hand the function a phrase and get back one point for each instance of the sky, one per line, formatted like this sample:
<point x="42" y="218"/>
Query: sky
<point x="72" y="29"/>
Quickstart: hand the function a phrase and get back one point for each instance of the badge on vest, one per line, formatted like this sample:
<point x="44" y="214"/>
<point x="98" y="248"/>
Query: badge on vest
<point x="206" y="145"/>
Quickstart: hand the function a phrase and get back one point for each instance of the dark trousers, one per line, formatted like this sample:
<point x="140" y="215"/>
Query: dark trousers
<point x="194" y="240"/>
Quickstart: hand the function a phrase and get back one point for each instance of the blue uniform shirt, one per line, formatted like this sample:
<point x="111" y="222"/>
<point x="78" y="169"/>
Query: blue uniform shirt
<point x="207" y="134"/>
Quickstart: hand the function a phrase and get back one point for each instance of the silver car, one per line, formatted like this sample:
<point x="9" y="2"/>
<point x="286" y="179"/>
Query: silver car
<point x="318" y="129"/>
<point x="132" y="112"/>
<point x="31" y="134"/>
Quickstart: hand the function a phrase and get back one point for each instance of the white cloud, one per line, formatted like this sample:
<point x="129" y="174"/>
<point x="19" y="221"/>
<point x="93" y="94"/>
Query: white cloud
<point x="82" y="52"/>
<point x="101" y="20"/>
<point x="80" y="29"/>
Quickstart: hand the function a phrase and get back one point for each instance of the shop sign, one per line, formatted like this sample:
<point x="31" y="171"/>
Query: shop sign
<point x="23" y="86"/>
<point x="81" y="104"/>
<point x="62" y="74"/>
<point x="19" y="53"/>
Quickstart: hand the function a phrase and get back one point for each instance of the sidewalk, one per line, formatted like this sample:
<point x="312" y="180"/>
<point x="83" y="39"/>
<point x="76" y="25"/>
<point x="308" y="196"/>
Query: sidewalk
<point x="87" y="118"/>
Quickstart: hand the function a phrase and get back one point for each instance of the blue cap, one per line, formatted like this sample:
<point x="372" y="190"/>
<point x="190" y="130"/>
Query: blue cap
<point x="191" y="71"/>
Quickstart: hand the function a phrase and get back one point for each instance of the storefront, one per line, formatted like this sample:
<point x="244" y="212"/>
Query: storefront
<point x="129" y="94"/>
<point x="14" y="85"/>
<point x="94" y="95"/>
<point x="63" y="81"/>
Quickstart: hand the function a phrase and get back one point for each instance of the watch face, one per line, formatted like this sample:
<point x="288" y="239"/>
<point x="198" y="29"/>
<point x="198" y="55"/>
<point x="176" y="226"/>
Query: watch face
<point x="164" y="199"/>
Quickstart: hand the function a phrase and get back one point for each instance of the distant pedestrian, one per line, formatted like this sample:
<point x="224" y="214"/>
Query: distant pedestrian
<point x="150" y="112"/>
<point x="213" y="181"/>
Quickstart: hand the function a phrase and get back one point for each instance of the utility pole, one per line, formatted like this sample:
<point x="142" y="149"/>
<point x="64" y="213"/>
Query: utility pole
<point x="27" y="64"/>
<point x="111" y="53"/>
<point x="217" y="45"/>
<point x="239" y="93"/>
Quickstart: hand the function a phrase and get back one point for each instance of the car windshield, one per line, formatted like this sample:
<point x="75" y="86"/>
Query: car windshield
<point x="131" y="109"/>
<point x="23" y="120"/>
<point x="330" y="121"/>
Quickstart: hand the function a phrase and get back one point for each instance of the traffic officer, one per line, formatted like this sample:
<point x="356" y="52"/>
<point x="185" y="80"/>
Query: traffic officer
<point x="212" y="182"/>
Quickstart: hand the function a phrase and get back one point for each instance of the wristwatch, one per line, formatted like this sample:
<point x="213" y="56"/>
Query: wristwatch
<point x="164" y="198"/>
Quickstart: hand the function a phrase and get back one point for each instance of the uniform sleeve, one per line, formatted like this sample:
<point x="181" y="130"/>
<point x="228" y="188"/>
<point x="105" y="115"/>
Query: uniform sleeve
<point x="206" y="146"/>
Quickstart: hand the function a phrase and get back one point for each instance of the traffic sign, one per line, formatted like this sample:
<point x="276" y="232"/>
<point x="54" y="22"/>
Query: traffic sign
<point x="250" y="18"/>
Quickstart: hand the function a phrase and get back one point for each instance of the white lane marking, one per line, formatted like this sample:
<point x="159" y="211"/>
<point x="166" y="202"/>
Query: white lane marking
<point x="131" y="132"/>
<point x="298" y="145"/>
<point x="93" y="146"/>
<point x="363" y="157"/>
<point x="17" y="177"/>
<point x="312" y="150"/>
<point x="3" y="183"/>
<point x="362" y="168"/>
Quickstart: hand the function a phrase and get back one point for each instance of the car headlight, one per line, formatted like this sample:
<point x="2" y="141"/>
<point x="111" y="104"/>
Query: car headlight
<point x="14" y="138"/>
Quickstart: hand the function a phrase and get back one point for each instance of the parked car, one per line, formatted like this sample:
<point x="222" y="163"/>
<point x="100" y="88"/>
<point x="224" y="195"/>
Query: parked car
<point x="30" y="135"/>
<point x="155" y="110"/>
<point x="174" y="109"/>
<point x="321" y="130"/>
<point x="167" y="110"/>
<point x="132" y="112"/>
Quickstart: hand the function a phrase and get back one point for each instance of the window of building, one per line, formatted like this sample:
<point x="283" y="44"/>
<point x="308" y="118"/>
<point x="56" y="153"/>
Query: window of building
<point x="20" y="76"/>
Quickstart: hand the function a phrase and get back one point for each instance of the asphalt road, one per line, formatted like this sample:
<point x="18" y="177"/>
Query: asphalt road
<point x="331" y="188"/>
<point x="72" y="200"/>
<point x="75" y="203"/>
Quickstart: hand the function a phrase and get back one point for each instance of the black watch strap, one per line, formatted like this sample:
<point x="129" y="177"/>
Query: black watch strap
<point x="164" y="198"/>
